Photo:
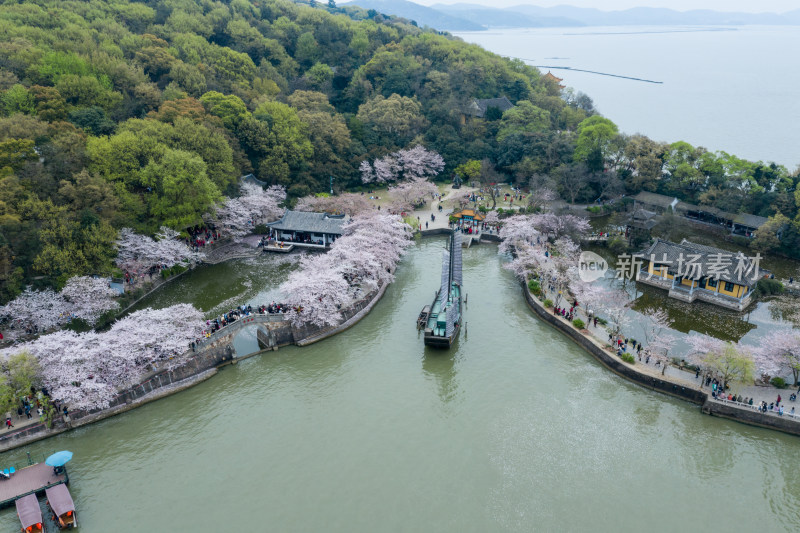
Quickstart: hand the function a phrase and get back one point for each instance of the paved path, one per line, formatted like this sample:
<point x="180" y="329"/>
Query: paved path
<point x="758" y="393"/>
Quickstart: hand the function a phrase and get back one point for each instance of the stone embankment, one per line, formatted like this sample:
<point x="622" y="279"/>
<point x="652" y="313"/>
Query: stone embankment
<point x="207" y="357"/>
<point x="652" y="379"/>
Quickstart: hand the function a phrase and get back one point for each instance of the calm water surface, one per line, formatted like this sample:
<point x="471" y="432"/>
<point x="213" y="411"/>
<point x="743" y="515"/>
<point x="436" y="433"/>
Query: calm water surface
<point x="515" y="429"/>
<point x="733" y="90"/>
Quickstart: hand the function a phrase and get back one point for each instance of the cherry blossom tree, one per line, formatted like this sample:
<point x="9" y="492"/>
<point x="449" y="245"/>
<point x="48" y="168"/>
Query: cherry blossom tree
<point x="590" y="294"/>
<point x="564" y="258"/>
<point x="317" y="291"/>
<point x="361" y="260"/>
<point x="615" y="306"/>
<point x="384" y="170"/>
<point x="87" y="370"/>
<point x="89" y="297"/>
<point x="35" y="312"/>
<point x="780" y="354"/>
<point x="419" y="162"/>
<point x="237" y="217"/>
<point x="492" y="218"/>
<point x="656" y="333"/>
<point x="137" y="253"/>
<point x="346" y="203"/>
<point x="539" y="198"/>
<point x="529" y="260"/>
<point x="731" y="362"/>
<point x="517" y="231"/>
<point x="411" y="194"/>
<point x="367" y="173"/>
<point x="557" y="226"/>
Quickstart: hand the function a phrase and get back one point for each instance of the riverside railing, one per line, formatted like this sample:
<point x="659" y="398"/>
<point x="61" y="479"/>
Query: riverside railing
<point x="239" y="323"/>
<point x="755" y="407"/>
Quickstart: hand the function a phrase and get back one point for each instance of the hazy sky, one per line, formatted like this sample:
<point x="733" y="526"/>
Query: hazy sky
<point x="753" y="6"/>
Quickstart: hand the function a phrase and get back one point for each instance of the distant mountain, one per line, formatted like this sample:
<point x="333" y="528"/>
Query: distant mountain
<point x="502" y="18"/>
<point x="473" y="17"/>
<point x="656" y="16"/>
<point x="423" y="16"/>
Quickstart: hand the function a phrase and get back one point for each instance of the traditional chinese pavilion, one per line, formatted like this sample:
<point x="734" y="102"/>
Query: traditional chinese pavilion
<point x="469" y="215"/>
<point x="691" y="271"/>
<point x="550" y="76"/>
<point x="309" y="229"/>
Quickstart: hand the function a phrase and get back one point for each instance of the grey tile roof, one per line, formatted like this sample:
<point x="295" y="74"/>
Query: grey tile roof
<point x="751" y="221"/>
<point x="711" y="261"/>
<point x="643" y="219"/>
<point x="643" y="214"/>
<point x="654" y="199"/>
<point x="310" y="222"/>
<point x="716" y="211"/>
<point x="743" y="219"/>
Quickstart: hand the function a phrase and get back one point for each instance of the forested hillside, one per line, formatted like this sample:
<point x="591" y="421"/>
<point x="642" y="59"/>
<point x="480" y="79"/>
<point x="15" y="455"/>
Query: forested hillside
<point x="145" y="113"/>
<point x="142" y="114"/>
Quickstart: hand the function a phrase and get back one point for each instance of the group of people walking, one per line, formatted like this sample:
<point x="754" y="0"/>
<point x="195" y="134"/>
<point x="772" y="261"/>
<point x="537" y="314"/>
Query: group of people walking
<point x="233" y="315"/>
<point x="201" y="236"/>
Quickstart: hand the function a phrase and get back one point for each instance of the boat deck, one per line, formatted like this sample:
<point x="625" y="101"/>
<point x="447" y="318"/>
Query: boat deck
<point x="439" y="328"/>
<point x="32" y="479"/>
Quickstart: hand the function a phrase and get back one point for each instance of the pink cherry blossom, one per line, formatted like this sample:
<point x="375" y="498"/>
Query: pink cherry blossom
<point x="360" y="261"/>
<point x="137" y="253"/>
<point x="237" y="217"/>
<point x="36" y="312"/>
<point x="87" y="370"/>
<point x="419" y="162"/>
<point x="346" y="203"/>
<point x="411" y="194"/>
<point x="416" y="162"/>
<point x="779" y="354"/>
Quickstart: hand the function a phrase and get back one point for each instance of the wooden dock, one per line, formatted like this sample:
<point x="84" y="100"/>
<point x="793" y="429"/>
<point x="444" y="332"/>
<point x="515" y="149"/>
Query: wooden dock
<point x="32" y="479"/>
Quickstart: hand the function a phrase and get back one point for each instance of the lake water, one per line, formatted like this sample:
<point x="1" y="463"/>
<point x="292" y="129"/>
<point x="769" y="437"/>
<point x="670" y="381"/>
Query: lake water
<point x="514" y="429"/>
<point x="733" y="90"/>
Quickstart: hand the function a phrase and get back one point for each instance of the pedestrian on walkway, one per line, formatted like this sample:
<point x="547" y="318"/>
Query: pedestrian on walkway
<point x="9" y="425"/>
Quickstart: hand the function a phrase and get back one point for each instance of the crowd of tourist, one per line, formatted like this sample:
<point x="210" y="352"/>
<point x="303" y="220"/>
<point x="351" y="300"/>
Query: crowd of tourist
<point x="201" y="236"/>
<point x="34" y="404"/>
<point x="225" y="319"/>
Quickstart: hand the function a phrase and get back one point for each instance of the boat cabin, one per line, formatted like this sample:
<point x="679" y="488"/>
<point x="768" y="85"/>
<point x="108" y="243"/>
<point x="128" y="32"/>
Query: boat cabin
<point x="60" y="501"/>
<point x="29" y="513"/>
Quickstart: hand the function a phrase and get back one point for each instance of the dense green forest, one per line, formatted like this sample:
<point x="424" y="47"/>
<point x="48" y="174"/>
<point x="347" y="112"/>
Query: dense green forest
<point x="141" y="114"/>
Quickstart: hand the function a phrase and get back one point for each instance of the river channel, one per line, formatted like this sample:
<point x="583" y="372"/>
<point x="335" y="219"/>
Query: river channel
<point x="514" y="429"/>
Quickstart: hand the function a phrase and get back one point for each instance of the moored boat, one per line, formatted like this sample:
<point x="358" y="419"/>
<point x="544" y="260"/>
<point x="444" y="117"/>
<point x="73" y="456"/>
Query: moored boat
<point x="60" y="501"/>
<point x="29" y="513"/>
<point x="444" y="315"/>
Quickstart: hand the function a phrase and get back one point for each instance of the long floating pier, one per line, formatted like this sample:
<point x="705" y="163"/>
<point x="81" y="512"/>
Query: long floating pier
<point x="32" y="479"/>
<point x="588" y="71"/>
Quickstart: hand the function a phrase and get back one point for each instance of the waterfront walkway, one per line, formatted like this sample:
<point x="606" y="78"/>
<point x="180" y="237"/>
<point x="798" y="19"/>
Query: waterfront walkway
<point x="687" y="378"/>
